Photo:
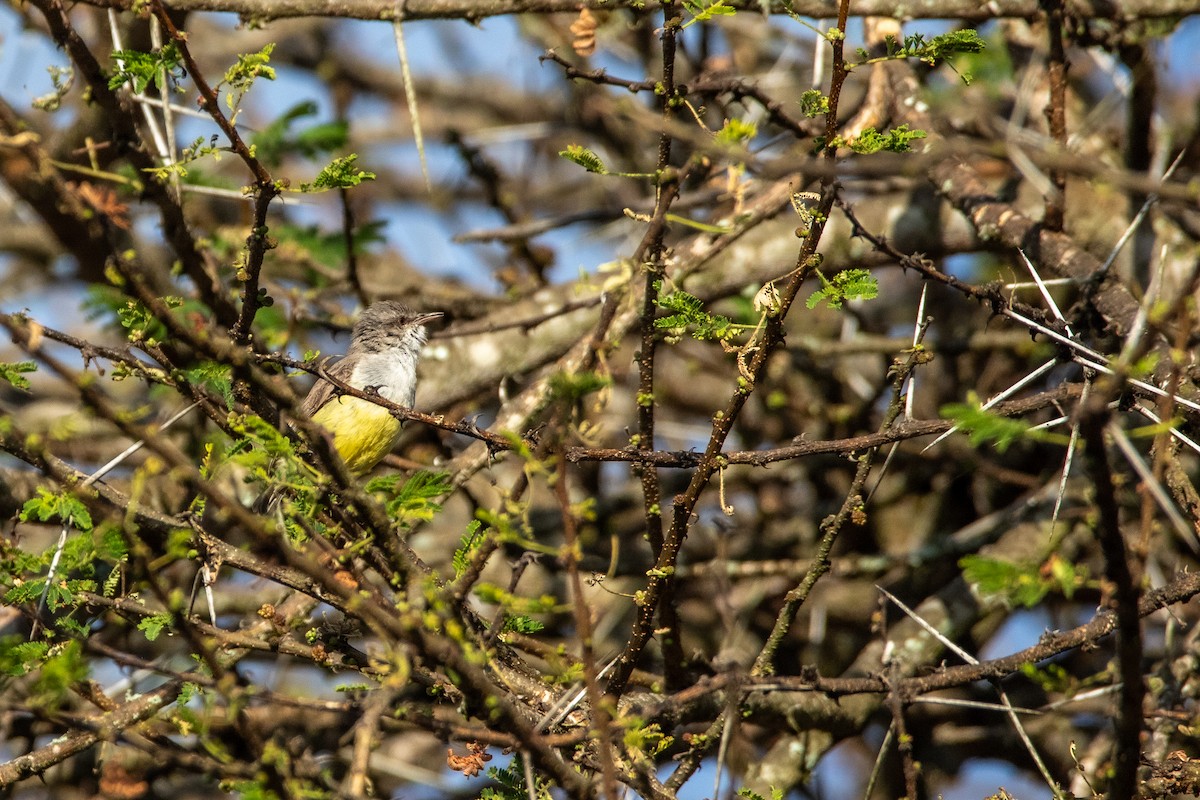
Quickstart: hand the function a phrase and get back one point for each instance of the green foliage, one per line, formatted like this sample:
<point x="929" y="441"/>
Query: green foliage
<point x="510" y="784"/>
<point x="143" y="69"/>
<point x="572" y="387"/>
<point x="19" y="657"/>
<point x="110" y="544"/>
<point x="340" y="174"/>
<point x="990" y="69"/>
<point x="61" y="506"/>
<point x="470" y="542"/>
<point x="578" y="154"/>
<point x="522" y="624"/>
<point x="198" y="149"/>
<point x="141" y="325"/>
<point x="1023" y="584"/>
<point x="870" y="141"/>
<point x="271" y="460"/>
<point x="543" y="604"/>
<point x="849" y="284"/>
<point x="242" y="75"/>
<point x="12" y="372"/>
<point x="750" y="794"/>
<point x="256" y="789"/>
<point x="1054" y="678"/>
<point x="646" y="739"/>
<point x="328" y="249"/>
<point x="215" y="377"/>
<point x="986" y="427"/>
<point x="705" y="11"/>
<point x="25" y="592"/>
<point x="735" y="131"/>
<point x="281" y="138"/>
<point x="814" y="103"/>
<point x="154" y="624"/>
<point x="897" y="140"/>
<point x="689" y="317"/>
<point x="415" y="501"/>
<point x="261" y="444"/>
<point x="931" y="51"/>
<point x="63" y="668"/>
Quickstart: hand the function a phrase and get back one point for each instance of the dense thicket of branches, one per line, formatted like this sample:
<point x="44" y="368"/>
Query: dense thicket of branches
<point x="812" y="371"/>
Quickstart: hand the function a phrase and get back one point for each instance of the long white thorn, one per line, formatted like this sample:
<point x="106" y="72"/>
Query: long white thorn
<point x="1066" y="470"/>
<point x="1154" y="487"/>
<point x="1053" y="306"/>
<point x="410" y="92"/>
<point x="1150" y="415"/>
<point x="970" y="659"/>
<point x="1151" y="199"/>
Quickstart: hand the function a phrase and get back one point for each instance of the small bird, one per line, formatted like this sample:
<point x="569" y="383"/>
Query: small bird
<point x="384" y="349"/>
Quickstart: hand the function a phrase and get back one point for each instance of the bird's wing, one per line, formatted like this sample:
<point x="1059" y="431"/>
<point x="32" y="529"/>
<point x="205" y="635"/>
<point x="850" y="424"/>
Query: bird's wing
<point x="322" y="391"/>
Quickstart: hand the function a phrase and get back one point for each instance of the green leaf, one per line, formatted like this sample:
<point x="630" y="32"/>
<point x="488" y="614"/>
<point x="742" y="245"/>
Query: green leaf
<point x="64" y="668"/>
<point x="25" y="592"/>
<point x="141" y="325"/>
<point x="111" y="545"/>
<point x="340" y="174"/>
<point x="12" y="372"/>
<point x="242" y="75"/>
<point x="214" y="376"/>
<point x="573" y="387"/>
<point x="585" y="158"/>
<point x="522" y="624"/>
<point x="690" y="317"/>
<point x="19" y="657"/>
<point x="985" y="427"/>
<point x="466" y="547"/>
<point x="143" y="69"/>
<point x="735" y="131"/>
<point x="491" y="593"/>
<point x="62" y="506"/>
<point x="281" y="138"/>
<point x="897" y="140"/>
<point x="510" y="784"/>
<point x="703" y="12"/>
<point x="849" y="284"/>
<point x="415" y="501"/>
<point x="814" y="103"/>
<point x="328" y="249"/>
<point x="1019" y="583"/>
<point x="153" y="625"/>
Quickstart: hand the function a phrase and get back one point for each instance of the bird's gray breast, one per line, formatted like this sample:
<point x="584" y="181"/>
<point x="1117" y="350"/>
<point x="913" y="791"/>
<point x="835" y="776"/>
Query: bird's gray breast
<point x="394" y="374"/>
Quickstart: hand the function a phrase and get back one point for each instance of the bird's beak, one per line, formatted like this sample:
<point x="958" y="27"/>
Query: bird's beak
<point x="429" y="317"/>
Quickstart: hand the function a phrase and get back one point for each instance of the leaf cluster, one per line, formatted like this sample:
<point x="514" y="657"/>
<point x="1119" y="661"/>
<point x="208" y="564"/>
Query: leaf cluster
<point x="849" y="284"/>
<point x="932" y="50"/>
<point x="1024" y="584"/>
<point x="158" y="67"/>
<point x="13" y="373"/>
<point x="871" y="141"/>
<point x="985" y="427"/>
<point x="688" y="317"/>
<point x="510" y="784"/>
<point x="242" y="75"/>
<point x="416" y="500"/>
<point x="340" y="174"/>
<point x="283" y="137"/>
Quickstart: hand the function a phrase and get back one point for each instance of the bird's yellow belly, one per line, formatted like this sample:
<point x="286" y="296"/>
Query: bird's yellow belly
<point x="363" y="433"/>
